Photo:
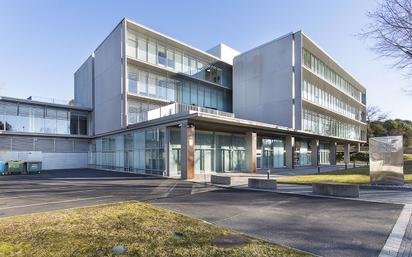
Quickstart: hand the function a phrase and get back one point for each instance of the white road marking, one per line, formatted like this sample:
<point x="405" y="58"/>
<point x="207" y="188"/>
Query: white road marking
<point x="61" y="193"/>
<point x="394" y="241"/>
<point x="56" y="202"/>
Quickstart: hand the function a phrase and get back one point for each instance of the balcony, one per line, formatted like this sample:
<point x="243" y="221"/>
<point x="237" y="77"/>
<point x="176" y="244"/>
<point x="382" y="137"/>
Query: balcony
<point x="176" y="108"/>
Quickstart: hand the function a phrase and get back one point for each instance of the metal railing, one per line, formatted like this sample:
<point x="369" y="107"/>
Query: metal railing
<point x="178" y="108"/>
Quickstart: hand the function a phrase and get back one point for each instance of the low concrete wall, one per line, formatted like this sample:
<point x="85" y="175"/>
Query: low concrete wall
<point x="336" y="189"/>
<point x="221" y="180"/>
<point x="262" y="183"/>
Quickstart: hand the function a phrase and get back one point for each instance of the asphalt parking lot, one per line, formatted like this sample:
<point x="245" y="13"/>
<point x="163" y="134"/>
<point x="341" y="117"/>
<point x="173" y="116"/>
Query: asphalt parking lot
<point x="326" y="227"/>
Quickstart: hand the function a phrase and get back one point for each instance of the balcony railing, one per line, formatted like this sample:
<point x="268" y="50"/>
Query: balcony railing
<point x="178" y="108"/>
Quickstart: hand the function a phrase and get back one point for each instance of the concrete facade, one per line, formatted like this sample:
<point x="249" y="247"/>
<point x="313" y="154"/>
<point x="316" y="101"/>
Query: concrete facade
<point x="262" y="79"/>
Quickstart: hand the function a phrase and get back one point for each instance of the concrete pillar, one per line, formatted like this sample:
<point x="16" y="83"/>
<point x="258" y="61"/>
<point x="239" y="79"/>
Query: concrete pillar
<point x="332" y="153"/>
<point x="289" y="143"/>
<point x="346" y="153"/>
<point x="358" y="147"/>
<point x="167" y="151"/>
<point x="315" y="152"/>
<point x="251" y="145"/>
<point x="187" y="156"/>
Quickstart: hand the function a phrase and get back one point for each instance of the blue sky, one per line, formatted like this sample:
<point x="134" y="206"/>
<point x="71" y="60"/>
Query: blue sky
<point x="42" y="43"/>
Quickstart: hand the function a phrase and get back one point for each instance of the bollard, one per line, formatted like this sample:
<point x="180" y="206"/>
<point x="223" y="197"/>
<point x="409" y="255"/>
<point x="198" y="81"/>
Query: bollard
<point x="268" y="172"/>
<point x="354" y="163"/>
<point x="318" y="169"/>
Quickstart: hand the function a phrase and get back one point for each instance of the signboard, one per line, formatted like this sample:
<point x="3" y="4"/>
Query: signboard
<point x="386" y="160"/>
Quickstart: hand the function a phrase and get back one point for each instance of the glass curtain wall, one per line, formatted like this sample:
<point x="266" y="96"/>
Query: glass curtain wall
<point x="270" y="153"/>
<point x="41" y="119"/>
<point x="145" y="83"/>
<point x="325" y="125"/>
<point x="214" y="152"/>
<point x="322" y="70"/>
<point x="302" y="153"/>
<point x="149" y="50"/>
<point x="138" y="151"/>
<point x="324" y="153"/>
<point x="318" y="96"/>
<point x="137" y="110"/>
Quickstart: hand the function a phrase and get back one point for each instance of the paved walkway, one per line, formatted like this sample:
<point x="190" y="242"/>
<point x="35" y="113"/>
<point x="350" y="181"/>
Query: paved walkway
<point x="324" y="226"/>
<point x="406" y="246"/>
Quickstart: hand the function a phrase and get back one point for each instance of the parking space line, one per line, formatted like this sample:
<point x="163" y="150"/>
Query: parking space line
<point x="57" y="202"/>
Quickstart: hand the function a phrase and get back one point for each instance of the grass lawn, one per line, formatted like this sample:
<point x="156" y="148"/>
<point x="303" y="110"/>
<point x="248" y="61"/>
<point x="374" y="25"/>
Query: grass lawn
<point x="142" y="229"/>
<point x="353" y="176"/>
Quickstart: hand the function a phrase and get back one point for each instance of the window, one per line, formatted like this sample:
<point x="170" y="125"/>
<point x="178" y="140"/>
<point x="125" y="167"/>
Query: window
<point x="178" y="62"/>
<point x="170" y="59"/>
<point x="186" y="93"/>
<point x="193" y="94"/>
<point x="161" y="55"/>
<point x="186" y="65"/>
<point x="82" y="125"/>
<point x="132" y="82"/>
<point x="151" y="57"/>
<point x="152" y="85"/>
<point x="142" y="87"/>
<point x="171" y="91"/>
<point x="193" y="67"/>
<point x="142" y="49"/>
<point x="131" y="48"/>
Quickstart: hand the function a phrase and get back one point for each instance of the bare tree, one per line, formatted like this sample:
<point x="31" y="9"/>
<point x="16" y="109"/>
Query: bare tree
<point x="391" y="30"/>
<point x="374" y="113"/>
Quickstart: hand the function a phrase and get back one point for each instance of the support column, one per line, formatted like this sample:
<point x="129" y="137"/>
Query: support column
<point x="346" y="153"/>
<point x="167" y="152"/>
<point x="251" y="145"/>
<point x="332" y="155"/>
<point x="315" y="152"/>
<point x="187" y="156"/>
<point x="289" y="143"/>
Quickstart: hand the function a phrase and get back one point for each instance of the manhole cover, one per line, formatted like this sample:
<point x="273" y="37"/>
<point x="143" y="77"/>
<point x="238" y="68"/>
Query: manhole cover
<point x="229" y="241"/>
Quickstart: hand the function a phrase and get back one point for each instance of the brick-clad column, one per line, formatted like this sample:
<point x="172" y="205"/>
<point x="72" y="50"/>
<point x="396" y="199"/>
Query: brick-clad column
<point x="187" y="157"/>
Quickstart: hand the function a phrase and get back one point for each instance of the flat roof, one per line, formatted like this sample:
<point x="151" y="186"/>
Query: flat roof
<point x="33" y="102"/>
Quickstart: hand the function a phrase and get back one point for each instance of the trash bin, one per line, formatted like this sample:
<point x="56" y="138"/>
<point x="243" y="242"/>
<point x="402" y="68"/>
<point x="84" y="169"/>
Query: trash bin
<point x="33" y="167"/>
<point x="3" y="170"/>
<point x="15" y="167"/>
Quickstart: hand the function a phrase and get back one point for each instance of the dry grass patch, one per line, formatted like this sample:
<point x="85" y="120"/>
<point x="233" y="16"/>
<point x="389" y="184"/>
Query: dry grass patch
<point x="137" y="229"/>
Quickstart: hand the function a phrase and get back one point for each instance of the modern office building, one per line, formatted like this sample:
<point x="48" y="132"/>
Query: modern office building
<point x="155" y="105"/>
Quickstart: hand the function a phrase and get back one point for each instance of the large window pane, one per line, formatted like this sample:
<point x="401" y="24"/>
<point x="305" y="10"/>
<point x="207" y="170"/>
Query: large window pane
<point x="161" y="55"/>
<point x="131" y="48"/>
<point x="178" y="62"/>
<point x="142" y="49"/>
<point x="132" y="82"/>
<point x="142" y="87"/>
<point x="83" y="125"/>
<point x="151" y="52"/>
<point x="170" y="59"/>
<point x="186" y="68"/>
